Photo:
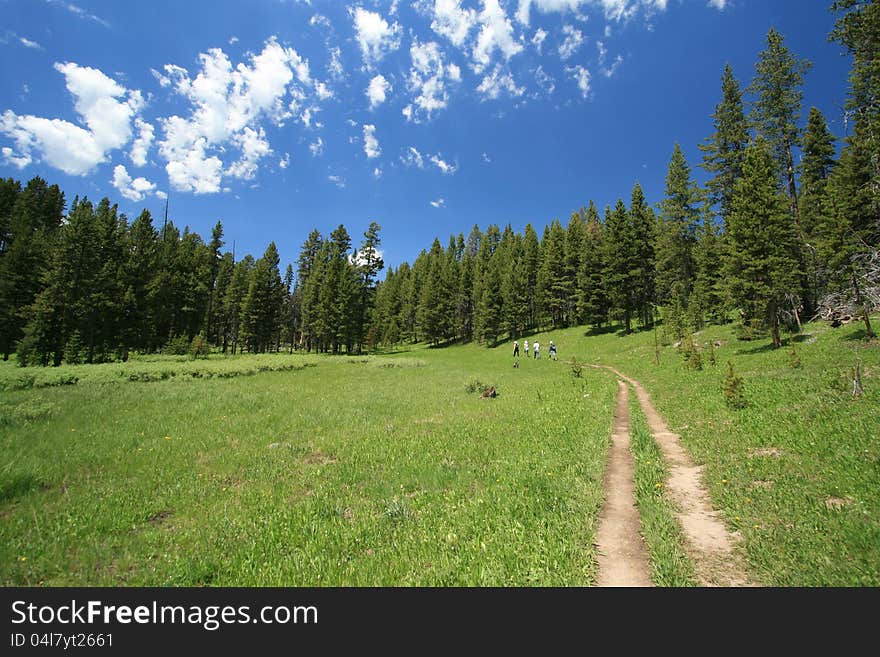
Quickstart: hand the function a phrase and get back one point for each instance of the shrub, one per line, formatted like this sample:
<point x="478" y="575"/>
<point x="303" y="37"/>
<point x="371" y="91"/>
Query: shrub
<point x="733" y="389"/>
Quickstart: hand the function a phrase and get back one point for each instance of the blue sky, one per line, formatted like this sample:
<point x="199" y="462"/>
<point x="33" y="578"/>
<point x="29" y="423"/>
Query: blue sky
<point x="280" y="116"/>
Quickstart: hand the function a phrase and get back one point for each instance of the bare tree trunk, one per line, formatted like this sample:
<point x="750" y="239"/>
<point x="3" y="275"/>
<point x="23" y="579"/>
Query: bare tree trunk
<point x="869" y="332"/>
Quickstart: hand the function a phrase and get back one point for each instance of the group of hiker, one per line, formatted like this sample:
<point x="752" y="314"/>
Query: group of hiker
<point x="536" y="349"/>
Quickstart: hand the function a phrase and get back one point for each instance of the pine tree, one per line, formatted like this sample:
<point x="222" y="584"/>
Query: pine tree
<point x="676" y="270"/>
<point x="30" y="232"/>
<point x="816" y="165"/>
<point x="592" y="298"/>
<point x="553" y="285"/>
<point x="779" y="77"/>
<point x="708" y="292"/>
<point x="369" y="265"/>
<point x="574" y="254"/>
<point x="762" y="267"/>
<point x="724" y="151"/>
<point x="531" y="265"/>
<point x="261" y="308"/>
<point x="643" y="221"/>
<point x="621" y="263"/>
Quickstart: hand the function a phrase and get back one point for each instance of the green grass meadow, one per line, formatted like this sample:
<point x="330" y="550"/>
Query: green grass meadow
<point x="292" y="470"/>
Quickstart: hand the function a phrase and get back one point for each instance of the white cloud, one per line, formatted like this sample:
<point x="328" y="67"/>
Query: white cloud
<point x="10" y="157"/>
<point x="161" y="195"/>
<point x="718" y="4"/>
<point x="427" y="81"/>
<point x="322" y="91"/>
<point x="445" y="167"/>
<point x="141" y="145"/>
<point x="496" y="33"/>
<point x="439" y="203"/>
<point x="317" y="147"/>
<point x="582" y="77"/>
<point x="254" y="147"/>
<point x="413" y="158"/>
<point x="377" y="173"/>
<point x="376" y="91"/>
<point x="27" y="43"/>
<point x="453" y="22"/>
<point x="79" y="11"/>
<point x="573" y="40"/>
<point x="339" y="181"/>
<point x="104" y="106"/>
<point x="486" y="158"/>
<point x="374" y="35"/>
<point x="495" y="83"/>
<point x="611" y="70"/>
<point x="371" y="144"/>
<point x="233" y="40"/>
<point x="337" y="72"/>
<point x="228" y="105"/>
<point x="319" y="19"/>
<point x="546" y="82"/>
<point x="616" y="10"/>
<point x="284" y="162"/>
<point x="538" y="39"/>
<point x="133" y="190"/>
<point x="164" y="80"/>
<point x="603" y="51"/>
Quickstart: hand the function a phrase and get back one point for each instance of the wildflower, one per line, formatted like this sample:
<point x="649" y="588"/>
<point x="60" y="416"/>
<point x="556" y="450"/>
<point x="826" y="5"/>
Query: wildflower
<point x="167" y="437"/>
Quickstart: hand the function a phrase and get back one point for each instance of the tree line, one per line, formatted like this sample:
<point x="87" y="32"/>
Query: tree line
<point x="776" y="239"/>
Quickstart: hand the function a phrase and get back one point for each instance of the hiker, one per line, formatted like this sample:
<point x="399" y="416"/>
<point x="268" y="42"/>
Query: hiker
<point x="515" y="349"/>
<point x="526" y="348"/>
<point x="552" y="351"/>
<point x="536" y="346"/>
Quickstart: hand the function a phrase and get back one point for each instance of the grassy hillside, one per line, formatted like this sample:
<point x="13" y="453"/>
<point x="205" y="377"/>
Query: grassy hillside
<point x="391" y="470"/>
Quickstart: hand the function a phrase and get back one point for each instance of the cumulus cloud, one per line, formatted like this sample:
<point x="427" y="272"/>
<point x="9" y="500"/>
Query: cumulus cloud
<point x="228" y="105"/>
<point x="538" y="39"/>
<point x="317" y="147"/>
<point x="718" y="4"/>
<point x="377" y="173"/>
<point x="445" y="167"/>
<point x="439" y="203"/>
<point x="496" y="33"/>
<point x="141" y="145"/>
<point x="133" y="190"/>
<point x="339" y="181"/>
<point x="284" y="162"/>
<point x="427" y="81"/>
<point x="105" y="107"/>
<point x="233" y="40"/>
<point x="609" y="71"/>
<point x="452" y="21"/>
<point x="334" y="67"/>
<point x="374" y="35"/>
<point x="546" y="82"/>
<point x="27" y="43"/>
<point x="371" y="144"/>
<point x="412" y="158"/>
<point x="582" y="77"/>
<point x="496" y="83"/>
<point x="573" y="40"/>
<point x="616" y="10"/>
<point x="376" y="91"/>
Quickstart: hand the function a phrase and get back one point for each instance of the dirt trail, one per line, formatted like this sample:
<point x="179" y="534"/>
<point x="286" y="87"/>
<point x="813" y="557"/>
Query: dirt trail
<point x="708" y="543"/>
<point x="622" y="556"/>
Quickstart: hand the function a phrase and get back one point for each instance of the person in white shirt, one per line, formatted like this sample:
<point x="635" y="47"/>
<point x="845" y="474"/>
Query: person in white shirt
<point x="526" y="348"/>
<point x="536" y="346"/>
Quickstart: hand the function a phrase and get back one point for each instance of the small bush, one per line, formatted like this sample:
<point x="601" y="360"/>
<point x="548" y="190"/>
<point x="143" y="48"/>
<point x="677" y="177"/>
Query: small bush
<point x="177" y="346"/>
<point x="794" y="359"/>
<point x="199" y="347"/>
<point x="577" y="370"/>
<point x="74" y="350"/>
<point x="733" y="389"/>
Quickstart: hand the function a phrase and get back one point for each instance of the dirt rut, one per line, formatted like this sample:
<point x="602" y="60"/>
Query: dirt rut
<point x="707" y="541"/>
<point x="622" y="556"/>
